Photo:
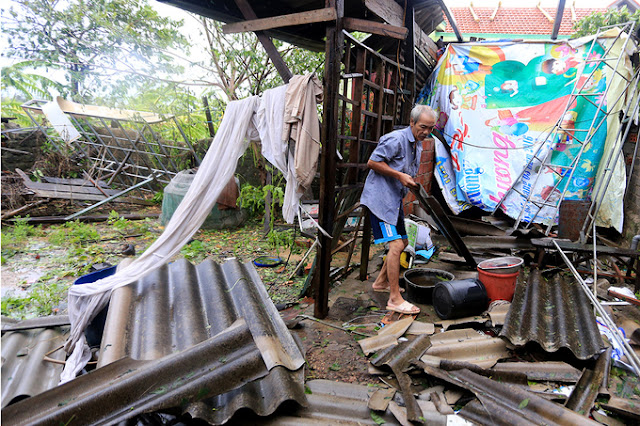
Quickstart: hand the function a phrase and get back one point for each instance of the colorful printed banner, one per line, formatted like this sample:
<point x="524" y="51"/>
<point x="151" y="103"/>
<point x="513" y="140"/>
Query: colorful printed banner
<point x="497" y="104"/>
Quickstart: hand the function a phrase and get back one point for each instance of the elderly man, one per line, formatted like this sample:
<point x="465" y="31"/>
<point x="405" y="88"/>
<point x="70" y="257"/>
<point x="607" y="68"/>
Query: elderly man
<point x="393" y="164"/>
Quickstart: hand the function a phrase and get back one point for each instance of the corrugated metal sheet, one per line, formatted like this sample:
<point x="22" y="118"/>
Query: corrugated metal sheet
<point x="555" y="313"/>
<point x="10" y="324"/>
<point x="24" y="371"/>
<point x="129" y="387"/>
<point x="330" y="403"/>
<point x="467" y="345"/>
<point x="503" y="404"/>
<point x="181" y="304"/>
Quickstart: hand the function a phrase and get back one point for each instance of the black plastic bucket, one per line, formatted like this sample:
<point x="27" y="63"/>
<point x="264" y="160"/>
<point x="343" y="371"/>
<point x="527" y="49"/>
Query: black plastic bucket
<point x="420" y="282"/>
<point x="459" y="298"/>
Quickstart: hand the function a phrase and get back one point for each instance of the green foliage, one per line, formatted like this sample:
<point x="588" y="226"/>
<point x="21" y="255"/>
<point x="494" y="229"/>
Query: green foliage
<point x="19" y="232"/>
<point x="73" y="233"/>
<point x="92" y="40"/>
<point x="41" y="300"/>
<point x="590" y="24"/>
<point x="243" y="68"/>
<point x="277" y="239"/>
<point x="193" y="249"/>
<point x="253" y="198"/>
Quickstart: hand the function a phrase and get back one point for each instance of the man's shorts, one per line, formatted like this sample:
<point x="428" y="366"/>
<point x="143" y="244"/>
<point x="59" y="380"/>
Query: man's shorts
<point x="384" y="232"/>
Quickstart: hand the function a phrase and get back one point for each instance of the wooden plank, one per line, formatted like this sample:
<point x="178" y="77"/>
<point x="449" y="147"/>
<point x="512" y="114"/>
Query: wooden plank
<point x="309" y="17"/>
<point x="390" y="11"/>
<point x="66" y="195"/>
<point x="372" y="27"/>
<point x="333" y="47"/>
<point x="269" y="47"/>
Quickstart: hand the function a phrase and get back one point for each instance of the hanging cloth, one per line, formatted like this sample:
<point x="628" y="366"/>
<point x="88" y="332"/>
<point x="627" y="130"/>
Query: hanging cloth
<point x="218" y="166"/>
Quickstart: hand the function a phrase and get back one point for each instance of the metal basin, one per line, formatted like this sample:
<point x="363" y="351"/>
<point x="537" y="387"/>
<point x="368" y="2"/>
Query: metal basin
<point x="502" y="265"/>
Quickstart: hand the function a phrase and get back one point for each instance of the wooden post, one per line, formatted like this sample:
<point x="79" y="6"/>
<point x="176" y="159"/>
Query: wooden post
<point x="207" y="113"/>
<point x="333" y="49"/>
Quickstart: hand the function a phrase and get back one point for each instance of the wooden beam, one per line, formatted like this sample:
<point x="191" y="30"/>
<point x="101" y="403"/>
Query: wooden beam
<point x="451" y="19"/>
<point x="372" y="27"/>
<point x="558" y="21"/>
<point x="310" y="17"/>
<point x="393" y="14"/>
<point x="390" y="11"/>
<point x="274" y="55"/>
<point x="328" y="160"/>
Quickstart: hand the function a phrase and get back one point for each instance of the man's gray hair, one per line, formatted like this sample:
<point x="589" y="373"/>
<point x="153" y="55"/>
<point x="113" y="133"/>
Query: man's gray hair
<point x="418" y="110"/>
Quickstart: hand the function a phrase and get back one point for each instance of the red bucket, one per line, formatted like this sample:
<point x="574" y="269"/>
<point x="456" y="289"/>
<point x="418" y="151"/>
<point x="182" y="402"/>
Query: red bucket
<point x="499" y="286"/>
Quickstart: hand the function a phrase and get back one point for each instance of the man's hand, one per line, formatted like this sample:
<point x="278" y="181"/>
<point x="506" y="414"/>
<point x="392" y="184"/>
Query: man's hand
<point x="383" y="168"/>
<point x="407" y="181"/>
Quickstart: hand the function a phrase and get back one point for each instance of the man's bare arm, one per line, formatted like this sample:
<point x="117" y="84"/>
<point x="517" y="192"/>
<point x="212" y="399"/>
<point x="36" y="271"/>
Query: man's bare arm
<point x="383" y="168"/>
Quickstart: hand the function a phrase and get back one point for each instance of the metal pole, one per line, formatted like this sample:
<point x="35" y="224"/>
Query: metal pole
<point x="113" y="197"/>
<point x="631" y="356"/>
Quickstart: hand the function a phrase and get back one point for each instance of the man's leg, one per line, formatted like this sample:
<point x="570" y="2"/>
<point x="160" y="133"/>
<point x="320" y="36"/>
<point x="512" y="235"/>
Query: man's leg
<point x="393" y="271"/>
<point x="382" y="282"/>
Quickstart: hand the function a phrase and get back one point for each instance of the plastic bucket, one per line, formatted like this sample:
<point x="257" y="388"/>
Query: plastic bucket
<point x="502" y="265"/>
<point x="460" y="298"/>
<point x="420" y="282"/>
<point x="498" y="286"/>
<point x="93" y="332"/>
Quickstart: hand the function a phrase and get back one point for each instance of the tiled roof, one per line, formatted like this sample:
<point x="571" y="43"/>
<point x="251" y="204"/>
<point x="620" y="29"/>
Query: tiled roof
<point x="510" y="20"/>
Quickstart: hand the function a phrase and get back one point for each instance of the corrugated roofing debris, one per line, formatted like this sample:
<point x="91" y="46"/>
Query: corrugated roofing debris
<point x="163" y="347"/>
<point x="467" y="345"/>
<point x="130" y="387"/>
<point x="546" y="371"/>
<point x="555" y="313"/>
<point x="24" y="370"/>
<point x="504" y="404"/>
<point x="181" y="304"/>
<point x="10" y="324"/>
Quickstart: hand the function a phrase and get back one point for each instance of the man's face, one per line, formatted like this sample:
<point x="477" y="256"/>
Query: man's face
<point x="422" y="128"/>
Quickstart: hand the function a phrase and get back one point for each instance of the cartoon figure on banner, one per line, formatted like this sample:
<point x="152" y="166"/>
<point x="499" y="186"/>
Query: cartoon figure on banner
<point x="458" y="99"/>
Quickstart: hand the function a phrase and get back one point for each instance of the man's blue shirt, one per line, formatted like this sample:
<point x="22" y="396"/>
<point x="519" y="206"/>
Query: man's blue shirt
<point x="383" y="194"/>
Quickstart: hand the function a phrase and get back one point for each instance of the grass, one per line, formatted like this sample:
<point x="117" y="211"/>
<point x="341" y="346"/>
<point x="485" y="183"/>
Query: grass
<point x="62" y="253"/>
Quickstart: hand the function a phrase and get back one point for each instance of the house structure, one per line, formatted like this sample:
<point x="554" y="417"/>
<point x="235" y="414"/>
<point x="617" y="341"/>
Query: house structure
<point x="369" y="88"/>
<point x="515" y="23"/>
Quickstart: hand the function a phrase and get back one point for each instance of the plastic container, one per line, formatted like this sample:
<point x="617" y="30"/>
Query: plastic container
<point x="93" y="332"/>
<point x="501" y="265"/>
<point x="499" y="286"/>
<point x="175" y="191"/>
<point x="420" y="282"/>
<point x="459" y="298"/>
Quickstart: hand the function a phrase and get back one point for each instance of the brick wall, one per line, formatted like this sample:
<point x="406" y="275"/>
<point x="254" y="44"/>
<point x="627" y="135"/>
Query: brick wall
<point x="424" y="176"/>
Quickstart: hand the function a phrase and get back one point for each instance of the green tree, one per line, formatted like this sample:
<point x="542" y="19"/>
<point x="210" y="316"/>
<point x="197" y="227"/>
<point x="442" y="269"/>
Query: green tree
<point x="240" y="65"/>
<point x="93" y="41"/>
<point x="590" y="24"/>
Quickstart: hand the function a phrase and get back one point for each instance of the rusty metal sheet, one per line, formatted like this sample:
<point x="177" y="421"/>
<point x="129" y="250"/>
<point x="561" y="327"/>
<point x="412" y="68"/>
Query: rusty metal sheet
<point x="182" y="304"/>
<point x="555" y="313"/>
<point x="504" y="404"/>
<point x="553" y="371"/>
<point x="467" y="345"/>
<point x="25" y="373"/>
<point x="130" y="387"/>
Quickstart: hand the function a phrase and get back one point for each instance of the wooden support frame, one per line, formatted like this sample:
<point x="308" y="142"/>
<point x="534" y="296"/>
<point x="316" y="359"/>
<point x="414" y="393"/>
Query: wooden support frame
<point x="309" y="17"/>
<point x="371" y="27"/>
<point x="328" y="161"/>
<point x="278" y="62"/>
<point x="366" y="95"/>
